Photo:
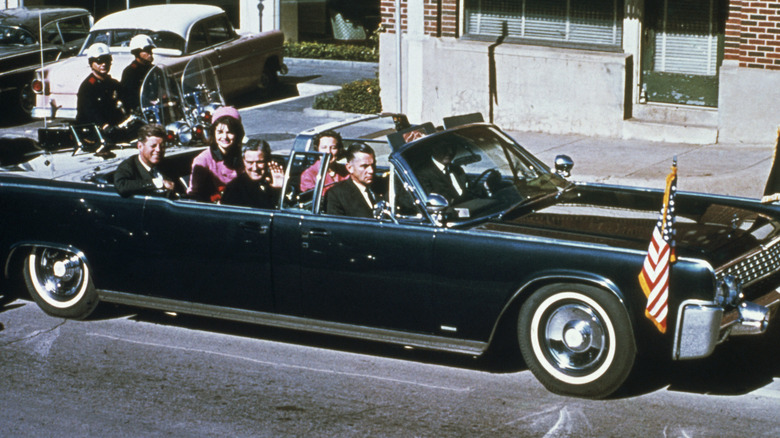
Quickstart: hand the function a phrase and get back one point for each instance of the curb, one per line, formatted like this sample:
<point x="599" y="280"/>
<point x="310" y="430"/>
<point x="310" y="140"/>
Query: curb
<point x="338" y="62"/>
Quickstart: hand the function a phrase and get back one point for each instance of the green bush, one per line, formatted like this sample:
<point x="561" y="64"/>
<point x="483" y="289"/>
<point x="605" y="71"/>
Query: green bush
<point x="355" y="97"/>
<point x="342" y="52"/>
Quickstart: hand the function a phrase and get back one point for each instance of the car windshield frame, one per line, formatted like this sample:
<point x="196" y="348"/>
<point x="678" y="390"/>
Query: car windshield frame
<point x="478" y="149"/>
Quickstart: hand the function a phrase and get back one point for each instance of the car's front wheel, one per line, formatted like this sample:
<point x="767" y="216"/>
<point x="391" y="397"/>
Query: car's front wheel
<point x="60" y="283"/>
<point x="577" y="340"/>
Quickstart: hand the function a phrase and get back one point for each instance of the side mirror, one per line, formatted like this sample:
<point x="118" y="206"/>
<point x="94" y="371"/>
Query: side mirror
<point x="563" y="165"/>
<point x="436" y="203"/>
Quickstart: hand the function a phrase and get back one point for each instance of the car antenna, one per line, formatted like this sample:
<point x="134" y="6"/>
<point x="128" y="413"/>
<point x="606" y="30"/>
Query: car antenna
<point x="40" y="47"/>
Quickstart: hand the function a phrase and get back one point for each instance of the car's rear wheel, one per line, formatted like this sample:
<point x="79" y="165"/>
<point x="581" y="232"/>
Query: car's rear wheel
<point x="577" y="340"/>
<point x="60" y="283"/>
<point x="26" y="100"/>
<point x="270" y="76"/>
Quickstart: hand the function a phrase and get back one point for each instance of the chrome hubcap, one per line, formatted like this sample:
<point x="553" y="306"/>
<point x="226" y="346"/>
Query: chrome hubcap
<point x="574" y="338"/>
<point x="59" y="273"/>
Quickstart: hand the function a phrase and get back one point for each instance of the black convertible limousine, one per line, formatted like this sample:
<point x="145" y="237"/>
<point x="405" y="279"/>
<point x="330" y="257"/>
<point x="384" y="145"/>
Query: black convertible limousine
<point x="527" y="254"/>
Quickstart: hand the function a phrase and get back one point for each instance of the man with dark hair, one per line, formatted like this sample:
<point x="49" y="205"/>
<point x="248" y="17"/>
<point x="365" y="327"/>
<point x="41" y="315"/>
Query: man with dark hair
<point x="258" y="186"/>
<point x="328" y="142"/>
<point x="354" y="196"/>
<point x="141" y="47"/>
<point x="98" y="96"/>
<point x="145" y="173"/>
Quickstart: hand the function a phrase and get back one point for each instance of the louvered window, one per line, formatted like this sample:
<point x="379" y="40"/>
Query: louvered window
<point x="581" y="22"/>
<point x="686" y="41"/>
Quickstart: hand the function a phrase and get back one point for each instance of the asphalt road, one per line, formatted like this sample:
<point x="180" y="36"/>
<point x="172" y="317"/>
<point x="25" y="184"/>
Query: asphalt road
<point x="151" y="374"/>
<point x="137" y="373"/>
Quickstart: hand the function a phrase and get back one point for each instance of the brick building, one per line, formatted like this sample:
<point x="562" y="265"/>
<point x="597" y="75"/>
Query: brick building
<point x="694" y="71"/>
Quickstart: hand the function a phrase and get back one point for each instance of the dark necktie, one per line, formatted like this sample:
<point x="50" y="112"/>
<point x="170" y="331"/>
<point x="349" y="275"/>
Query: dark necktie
<point x="371" y="197"/>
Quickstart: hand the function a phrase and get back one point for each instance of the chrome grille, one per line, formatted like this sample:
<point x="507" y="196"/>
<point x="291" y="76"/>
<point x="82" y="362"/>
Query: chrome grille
<point x="754" y="266"/>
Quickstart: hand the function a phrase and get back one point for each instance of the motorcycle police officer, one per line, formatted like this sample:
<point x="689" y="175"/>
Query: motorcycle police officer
<point x="99" y="95"/>
<point x="141" y="47"/>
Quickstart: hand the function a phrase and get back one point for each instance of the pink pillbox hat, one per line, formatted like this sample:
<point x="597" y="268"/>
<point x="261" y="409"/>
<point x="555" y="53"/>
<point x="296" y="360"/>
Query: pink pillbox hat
<point x="228" y="111"/>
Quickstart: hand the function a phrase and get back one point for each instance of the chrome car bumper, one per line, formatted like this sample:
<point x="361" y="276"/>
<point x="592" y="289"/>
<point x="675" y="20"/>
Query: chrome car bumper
<point x="61" y="113"/>
<point x="701" y="325"/>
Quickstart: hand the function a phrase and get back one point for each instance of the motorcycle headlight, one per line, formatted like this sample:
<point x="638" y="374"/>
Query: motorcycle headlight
<point x="179" y="132"/>
<point x="728" y="291"/>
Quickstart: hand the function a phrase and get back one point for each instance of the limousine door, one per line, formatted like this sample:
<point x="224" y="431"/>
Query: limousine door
<point x="209" y="254"/>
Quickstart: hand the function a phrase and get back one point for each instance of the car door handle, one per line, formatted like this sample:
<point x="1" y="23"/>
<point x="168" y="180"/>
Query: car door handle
<point x="317" y="232"/>
<point x="254" y="226"/>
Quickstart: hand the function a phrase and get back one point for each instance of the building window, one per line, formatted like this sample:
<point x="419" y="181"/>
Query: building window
<point x="597" y="23"/>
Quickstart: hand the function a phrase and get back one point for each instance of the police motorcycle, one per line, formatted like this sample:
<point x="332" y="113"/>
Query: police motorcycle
<point x="183" y="105"/>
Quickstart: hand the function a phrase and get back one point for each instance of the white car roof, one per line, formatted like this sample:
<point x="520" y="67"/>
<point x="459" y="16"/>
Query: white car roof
<point x="176" y="18"/>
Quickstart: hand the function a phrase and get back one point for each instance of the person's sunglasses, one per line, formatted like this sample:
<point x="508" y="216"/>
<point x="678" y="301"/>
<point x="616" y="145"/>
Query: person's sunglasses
<point x="103" y="60"/>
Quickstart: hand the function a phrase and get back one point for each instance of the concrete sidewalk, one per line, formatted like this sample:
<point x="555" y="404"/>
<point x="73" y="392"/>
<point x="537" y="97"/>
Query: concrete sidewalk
<point x="732" y="169"/>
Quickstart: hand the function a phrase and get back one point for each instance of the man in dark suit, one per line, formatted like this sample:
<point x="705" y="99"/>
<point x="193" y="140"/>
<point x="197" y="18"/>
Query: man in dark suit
<point x="354" y="196"/>
<point x="441" y="176"/>
<point x="259" y="185"/>
<point x="145" y="173"/>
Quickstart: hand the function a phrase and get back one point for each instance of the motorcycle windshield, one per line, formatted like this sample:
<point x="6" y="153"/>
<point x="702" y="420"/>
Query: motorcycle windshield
<point x="200" y="89"/>
<point x="161" y="97"/>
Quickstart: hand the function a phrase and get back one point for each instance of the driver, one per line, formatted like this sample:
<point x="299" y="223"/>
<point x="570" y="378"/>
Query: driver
<point x="441" y="176"/>
<point x="98" y="96"/>
<point x="141" y="47"/>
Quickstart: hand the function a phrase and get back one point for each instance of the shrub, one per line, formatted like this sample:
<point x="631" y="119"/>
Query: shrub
<point x="355" y="97"/>
<point x="342" y="52"/>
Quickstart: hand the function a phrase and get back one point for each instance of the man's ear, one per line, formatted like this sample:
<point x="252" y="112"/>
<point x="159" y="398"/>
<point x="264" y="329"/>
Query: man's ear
<point x="349" y="167"/>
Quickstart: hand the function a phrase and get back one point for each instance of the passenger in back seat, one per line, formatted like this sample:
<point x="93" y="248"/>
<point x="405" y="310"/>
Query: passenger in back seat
<point x="147" y="173"/>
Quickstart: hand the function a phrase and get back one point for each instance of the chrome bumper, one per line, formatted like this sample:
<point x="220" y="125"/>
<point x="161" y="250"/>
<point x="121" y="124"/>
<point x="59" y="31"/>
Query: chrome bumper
<point x="701" y="325"/>
<point x="61" y="113"/>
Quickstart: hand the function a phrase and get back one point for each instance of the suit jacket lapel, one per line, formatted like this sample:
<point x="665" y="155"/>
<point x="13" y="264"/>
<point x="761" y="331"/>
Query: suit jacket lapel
<point x="145" y="174"/>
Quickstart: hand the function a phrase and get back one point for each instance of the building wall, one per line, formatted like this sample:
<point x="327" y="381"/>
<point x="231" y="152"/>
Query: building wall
<point x="750" y="75"/>
<point x="565" y="90"/>
<point x="537" y="88"/>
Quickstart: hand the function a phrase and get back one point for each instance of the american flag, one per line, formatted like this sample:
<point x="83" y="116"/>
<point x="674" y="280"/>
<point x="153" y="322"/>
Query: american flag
<point x="654" y="277"/>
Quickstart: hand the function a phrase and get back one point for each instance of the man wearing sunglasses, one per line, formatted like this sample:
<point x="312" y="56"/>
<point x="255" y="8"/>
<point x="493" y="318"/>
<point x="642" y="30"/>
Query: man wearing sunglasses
<point x="98" y="97"/>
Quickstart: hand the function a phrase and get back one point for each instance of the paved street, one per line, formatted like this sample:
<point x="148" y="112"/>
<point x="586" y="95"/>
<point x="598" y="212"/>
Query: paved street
<point x="157" y="375"/>
<point x="127" y="372"/>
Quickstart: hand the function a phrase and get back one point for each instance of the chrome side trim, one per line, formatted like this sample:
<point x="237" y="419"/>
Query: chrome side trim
<point x="697" y="330"/>
<point x="297" y="323"/>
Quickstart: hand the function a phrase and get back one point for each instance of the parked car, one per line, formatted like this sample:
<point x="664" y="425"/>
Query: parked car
<point x="524" y="254"/>
<point x="180" y="31"/>
<point x="63" y="30"/>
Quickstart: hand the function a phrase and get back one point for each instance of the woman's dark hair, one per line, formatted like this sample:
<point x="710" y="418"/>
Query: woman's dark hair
<point x="329" y="133"/>
<point x="234" y="126"/>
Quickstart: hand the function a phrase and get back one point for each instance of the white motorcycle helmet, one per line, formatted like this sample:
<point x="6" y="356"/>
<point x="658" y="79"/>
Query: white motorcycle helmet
<point x="97" y="50"/>
<point x="141" y="42"/>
